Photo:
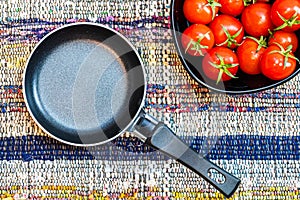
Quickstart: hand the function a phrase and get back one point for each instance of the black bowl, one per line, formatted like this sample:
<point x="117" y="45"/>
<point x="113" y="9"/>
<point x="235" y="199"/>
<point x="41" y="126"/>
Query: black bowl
<point x="243" y="84"/>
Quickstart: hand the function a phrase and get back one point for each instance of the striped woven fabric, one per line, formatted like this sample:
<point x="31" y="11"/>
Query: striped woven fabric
<point x="253" y="136"/>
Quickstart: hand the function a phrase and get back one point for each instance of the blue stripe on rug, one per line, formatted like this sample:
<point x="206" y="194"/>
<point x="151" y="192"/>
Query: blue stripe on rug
<point x="243" y="147"/>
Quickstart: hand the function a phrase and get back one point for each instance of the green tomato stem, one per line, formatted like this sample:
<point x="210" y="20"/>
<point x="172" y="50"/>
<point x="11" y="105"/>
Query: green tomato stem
<point x="262" y="42"/>
<point x="213" y="4"/>
<point x="197" y="46"/>
<point x="223" y="68"/>
<point x="231" y="39"/>
<point x="285" y="52"/>
<point x="249" y="2"/>
<point x="288" y="22"/>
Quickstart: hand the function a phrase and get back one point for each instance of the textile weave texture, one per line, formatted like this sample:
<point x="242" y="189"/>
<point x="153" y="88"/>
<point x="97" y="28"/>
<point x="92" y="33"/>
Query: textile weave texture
<point x="256" y="137"/>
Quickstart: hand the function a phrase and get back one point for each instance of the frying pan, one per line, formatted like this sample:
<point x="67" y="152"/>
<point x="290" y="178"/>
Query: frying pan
<point x="84" y="84"/>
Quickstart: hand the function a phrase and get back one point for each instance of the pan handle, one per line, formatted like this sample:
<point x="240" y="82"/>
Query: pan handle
<point x="159" y="136"/>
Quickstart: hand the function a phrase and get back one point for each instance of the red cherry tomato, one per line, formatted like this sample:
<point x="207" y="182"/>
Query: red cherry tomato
<point x="285" y="39"/>
<point x="232" y="7"/>
<point x="197" y="39"/>
<point x="256" y="19"/>
<point x="285" y="14"/>
<point x="220" y="64"/>
<point x="200" y="11"/>
<point x="228" y="31"/>
<point x="249" y="55"/>
<point x="277" y="63"/>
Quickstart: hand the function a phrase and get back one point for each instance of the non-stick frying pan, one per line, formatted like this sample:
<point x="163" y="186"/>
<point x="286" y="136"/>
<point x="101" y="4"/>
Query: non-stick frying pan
<point x="84" y="84"/>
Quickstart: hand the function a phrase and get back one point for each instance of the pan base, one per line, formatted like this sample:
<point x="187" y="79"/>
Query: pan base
<point x="82" y="84"/>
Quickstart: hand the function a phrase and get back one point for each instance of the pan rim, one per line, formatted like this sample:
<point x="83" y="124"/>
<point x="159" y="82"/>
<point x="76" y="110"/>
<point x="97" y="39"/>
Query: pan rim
<point x="80" y="24"/>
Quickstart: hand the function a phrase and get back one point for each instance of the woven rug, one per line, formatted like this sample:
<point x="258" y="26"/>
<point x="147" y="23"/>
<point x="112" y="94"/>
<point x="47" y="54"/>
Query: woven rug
<point x="253" y="136"/>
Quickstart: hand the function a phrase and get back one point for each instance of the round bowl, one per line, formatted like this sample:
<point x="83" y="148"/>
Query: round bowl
<point x="243" y="84"/>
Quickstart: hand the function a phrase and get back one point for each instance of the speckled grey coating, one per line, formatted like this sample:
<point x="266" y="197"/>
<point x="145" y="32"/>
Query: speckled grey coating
<point x="84" y="88"/>
<point x="90" y="97"/>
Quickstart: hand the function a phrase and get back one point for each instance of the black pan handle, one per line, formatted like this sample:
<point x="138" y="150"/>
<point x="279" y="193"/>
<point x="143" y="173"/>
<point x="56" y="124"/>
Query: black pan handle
<point x="159" y="136"/>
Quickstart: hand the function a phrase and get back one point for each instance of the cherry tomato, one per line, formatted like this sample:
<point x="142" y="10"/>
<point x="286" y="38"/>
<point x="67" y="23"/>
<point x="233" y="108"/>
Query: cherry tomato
<point x="228" y="31"/>
<point x="285" y="14"/>
<point x="249" y="55"/>
<point x="220" y="64"/>
<point x="256" y="19"/>
<point x="285" y="39"/>
<point x="232" y="7"/>
<point x="197" y="39"/>
<point x="277" y="63"/>
<point x="200" y="11"/>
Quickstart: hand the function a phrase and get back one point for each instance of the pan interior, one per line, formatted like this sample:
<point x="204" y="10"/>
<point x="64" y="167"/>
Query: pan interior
<point x="84" y="89"/>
